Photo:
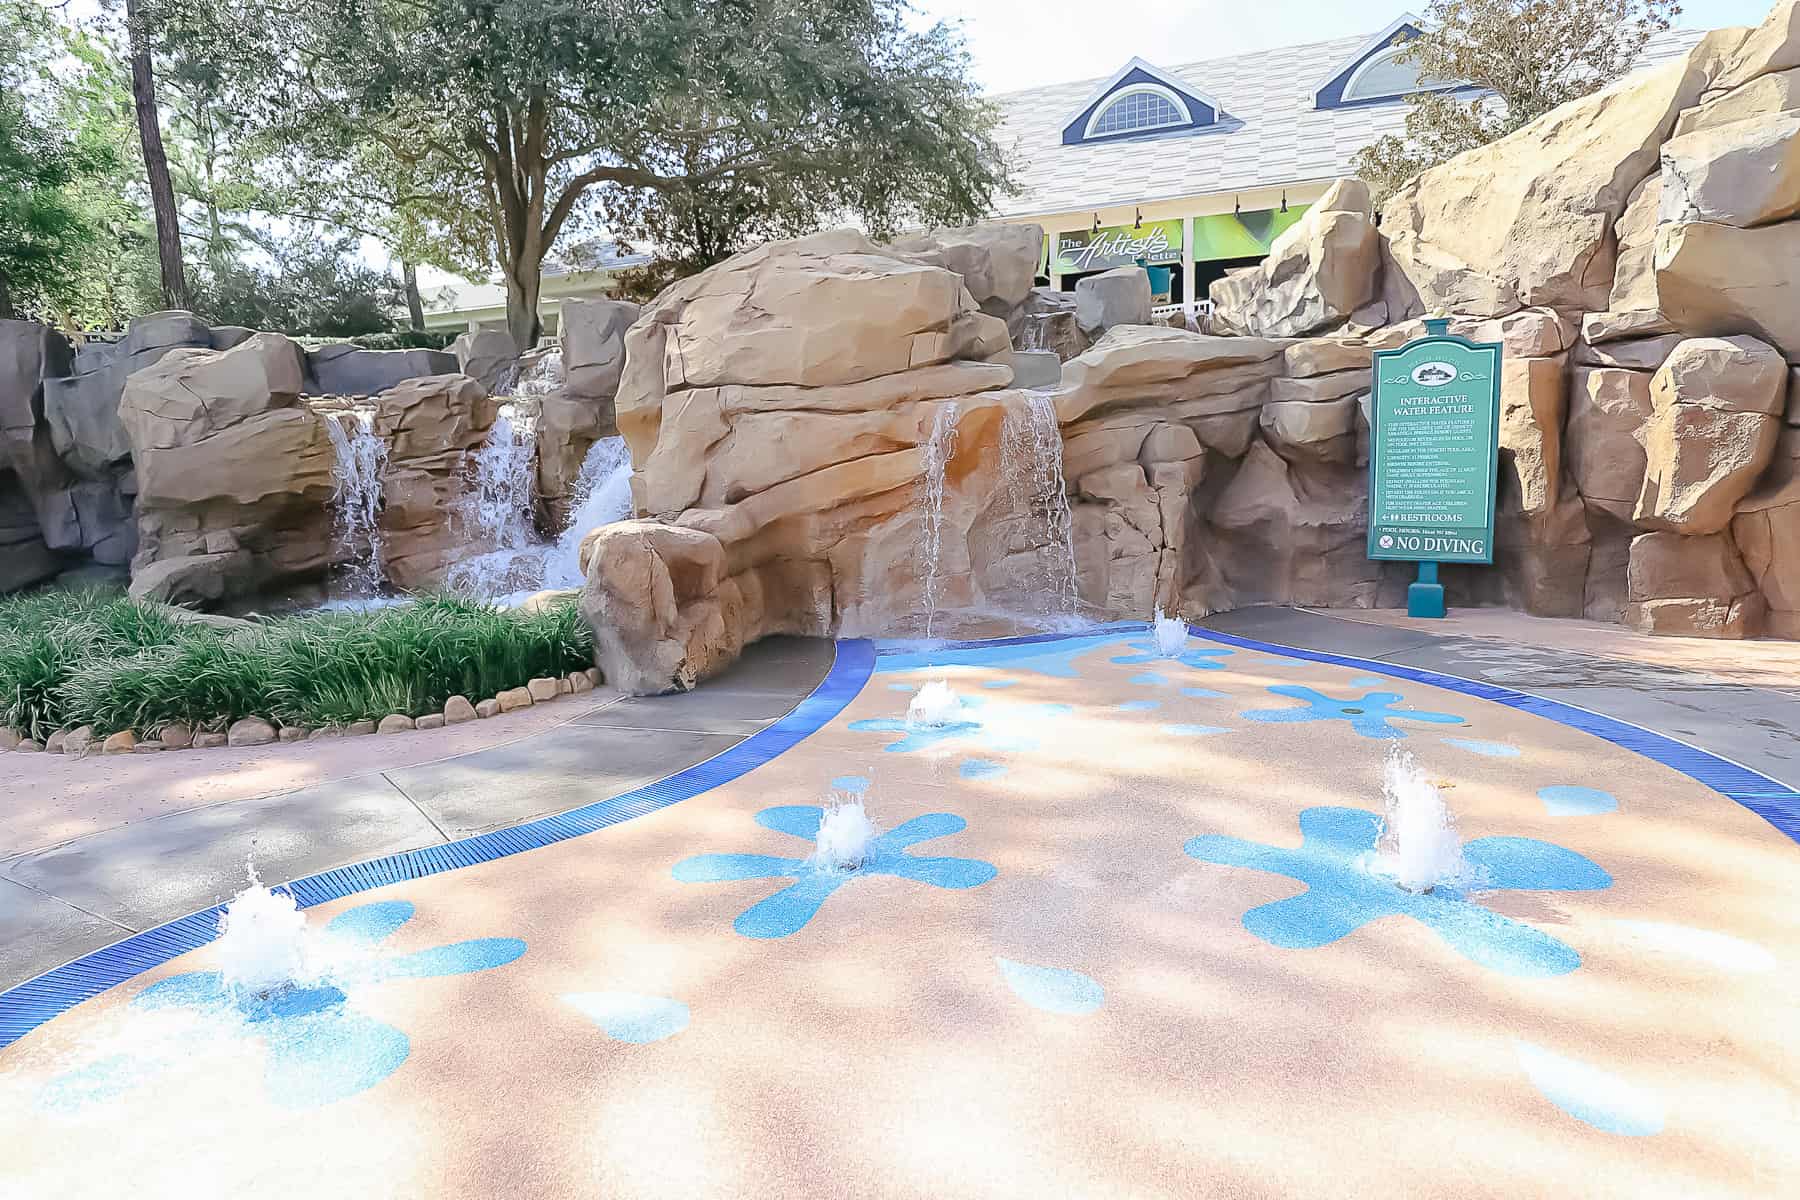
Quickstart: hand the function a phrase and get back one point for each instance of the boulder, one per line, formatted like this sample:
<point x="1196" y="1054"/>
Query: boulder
<point x="1320" y="431"/>
<point x="487" y="356"/>
<point x="1318" y="271"/>
<point x="578" y="414"/>
<point x="249" y="731"/>
<point x="458" y="710"/>
<point x="343" y="369"/>
<point x="1112" y="298"/>
<point x="1716" y="280"/>
<point x="1637" y="354"/>
<point x="1634" y="269"/>
<point x="234" y="474"/>
<point x="1743" y="174"/>
<point x="1608" y="409"/>
<point x="1766" y="529"/>
<point x="1599" y="328"/>
<point x="1772" y="46"/>
<point x="543" y="689"/>
<point x="1285" y="535"/>
<point x="1527" y="220"/>
<point x="1774" y="93"/>
<point x="396" y="723"/>
<point x="1327" y="355"/>
<point x="1533" y="401"/>
<point x="653" y="599"/>
<point x="997" y="263"/>
<point x="513" y="699"/>
<point x="1691" y="587"/>
<point x="1047" y="321"/>
<point x="1715" y="414"/>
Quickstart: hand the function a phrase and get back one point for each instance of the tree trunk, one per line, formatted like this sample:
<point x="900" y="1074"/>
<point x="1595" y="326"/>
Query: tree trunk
<point x="6" y="305"/>
<point x="524" y="280"/>
<point x="156" y="164"/>
<point x="415" y="303"/>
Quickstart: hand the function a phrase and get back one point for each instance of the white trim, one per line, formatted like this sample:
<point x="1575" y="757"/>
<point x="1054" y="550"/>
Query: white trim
<point x="1173" y="82"/>
<point x="1374" y="43"/>
<point x="1139" y="89"/>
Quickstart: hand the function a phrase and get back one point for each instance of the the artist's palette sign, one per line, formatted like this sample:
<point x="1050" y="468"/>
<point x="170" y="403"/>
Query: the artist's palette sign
<point x="1434" y="436"/>
<point x="1155" y="243"/>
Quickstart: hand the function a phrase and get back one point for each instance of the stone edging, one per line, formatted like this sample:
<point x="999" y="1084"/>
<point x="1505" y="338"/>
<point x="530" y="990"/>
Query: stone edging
<point x="53" y="993"/>
<point x="82" y="742"/>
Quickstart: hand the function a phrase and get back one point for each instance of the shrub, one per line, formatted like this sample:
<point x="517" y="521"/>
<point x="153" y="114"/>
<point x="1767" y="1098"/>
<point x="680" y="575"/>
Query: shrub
<point x="102" y="660"/>
<point x="406" y="339"/>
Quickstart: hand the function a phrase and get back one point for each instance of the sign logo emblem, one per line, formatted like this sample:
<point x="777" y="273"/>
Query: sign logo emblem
<point x="1387" y="541"/>
<point x="1431" y="374"/>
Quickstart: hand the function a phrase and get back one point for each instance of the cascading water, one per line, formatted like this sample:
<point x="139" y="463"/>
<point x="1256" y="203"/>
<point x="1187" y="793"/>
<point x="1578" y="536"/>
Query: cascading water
<point x="935" y="456"/>
<point x="602" y="496"/>
<point x="361" y="457"/>
<point x="495" y="511"/>
<point x="1419" y="848"/>
<point x="1031" y="463"/>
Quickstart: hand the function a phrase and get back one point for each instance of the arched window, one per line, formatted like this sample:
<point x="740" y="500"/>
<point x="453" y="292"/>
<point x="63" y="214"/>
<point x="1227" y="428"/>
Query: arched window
<point x="1383" y="78"/>
<point x="1137" y="109"/>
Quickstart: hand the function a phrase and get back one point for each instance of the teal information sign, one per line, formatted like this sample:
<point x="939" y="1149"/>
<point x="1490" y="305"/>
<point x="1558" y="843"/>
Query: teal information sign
<point x="1434" y="448"/>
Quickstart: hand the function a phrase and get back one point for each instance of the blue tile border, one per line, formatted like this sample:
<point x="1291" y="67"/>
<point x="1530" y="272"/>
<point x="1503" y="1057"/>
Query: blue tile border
<point x="53" y="993"/>
<point x="1770" y="799"/>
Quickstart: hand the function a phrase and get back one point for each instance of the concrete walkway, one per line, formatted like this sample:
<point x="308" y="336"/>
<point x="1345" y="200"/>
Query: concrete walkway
<point x="158" y="838"/>
<point x="1739" y="700"/>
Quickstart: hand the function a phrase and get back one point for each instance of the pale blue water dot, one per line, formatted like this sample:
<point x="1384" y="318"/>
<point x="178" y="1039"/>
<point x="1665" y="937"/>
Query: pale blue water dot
<point x="999" y="683"/>
<point x="1140" y="705"/>
<point x="1150" y="679"/>
<point x="903" y="687"/>
<point x="1053" y="989"/>
<point x="851" y="783"/>
<point x="1368" y="681"/>
<point x="1194" y="730"/>
<point x="1571" y="800"/>
<point x="1588" y="1094"/>
<point x="1203" y="693"/>
<point x="980" y="768"/>
<point x="631" y="1017"/>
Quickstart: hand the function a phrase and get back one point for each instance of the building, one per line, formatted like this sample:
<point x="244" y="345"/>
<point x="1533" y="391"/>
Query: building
<point x="1195" y="169"/>
<point x="590" y="269"/>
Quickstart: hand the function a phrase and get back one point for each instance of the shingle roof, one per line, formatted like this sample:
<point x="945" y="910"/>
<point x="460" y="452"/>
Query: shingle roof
<point x="1269" y="134"/>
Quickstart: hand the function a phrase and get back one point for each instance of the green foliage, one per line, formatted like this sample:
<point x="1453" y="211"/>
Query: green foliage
<point x="100" y="659"/>
<point x="406" y="339"/>
<point x="508" y="123"/>
<point x="311" y="287"/>
<point x="1529" y="56"/>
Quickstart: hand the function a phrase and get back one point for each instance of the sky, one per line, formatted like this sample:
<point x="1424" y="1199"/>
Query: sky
<point x="1027" y="43"/>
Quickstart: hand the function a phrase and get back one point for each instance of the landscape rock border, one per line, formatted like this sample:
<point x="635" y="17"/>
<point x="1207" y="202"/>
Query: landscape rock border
<point x="84" y="742"/>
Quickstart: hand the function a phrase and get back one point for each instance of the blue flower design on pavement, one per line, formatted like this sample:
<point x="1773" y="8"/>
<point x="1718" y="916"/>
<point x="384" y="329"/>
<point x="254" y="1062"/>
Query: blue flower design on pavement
<point x="319" y="1049"/>
<point x="1202" y="659"/>
<point x="1341" y="896"/>
<point x="1368" y="715"/>
<point x="995" y="726"/>
<point x="788" y="910"/>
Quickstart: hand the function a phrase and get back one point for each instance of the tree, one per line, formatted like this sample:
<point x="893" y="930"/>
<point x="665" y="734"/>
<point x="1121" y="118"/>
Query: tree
<point x="1528" y="56"/>
<point x="156" y="163"/>
<point x="310" y="287"/>
<point x="46" y="224"/>
<point x="514" y="115"/>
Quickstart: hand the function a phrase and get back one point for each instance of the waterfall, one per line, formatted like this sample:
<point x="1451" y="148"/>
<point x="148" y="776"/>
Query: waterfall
<point x="935" y="456"/>
<point x="1031" y="465"/>
<point x="356" y="500"/>
<point x="495" y="510"/>
<point x="602" y="496"/>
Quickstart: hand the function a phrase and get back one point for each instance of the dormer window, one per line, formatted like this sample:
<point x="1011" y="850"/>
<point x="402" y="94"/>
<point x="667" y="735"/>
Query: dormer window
<point x="1137" y="109"/>
<point x="1375" y="74"/>
<point x="1141" y="100"/>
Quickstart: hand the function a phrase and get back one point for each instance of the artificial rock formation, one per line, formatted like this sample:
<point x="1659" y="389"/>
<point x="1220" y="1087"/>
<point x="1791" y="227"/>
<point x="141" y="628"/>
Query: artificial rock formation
<point x="430" y="427"/>
<point x="573" y="417"/>
<point x="789" y="409"/>
<point x="1318" y="272"/>
<point x="234" y="473"/>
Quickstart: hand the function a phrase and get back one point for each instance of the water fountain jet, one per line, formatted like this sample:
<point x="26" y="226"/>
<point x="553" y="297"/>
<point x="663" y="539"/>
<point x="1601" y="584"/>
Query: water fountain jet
<point x="1419" y="848"/>
<point x="1171" y="635"/>
<point x="934" y="706"/>
<point x="845" y="832"/>
<point x="262" y="941"/>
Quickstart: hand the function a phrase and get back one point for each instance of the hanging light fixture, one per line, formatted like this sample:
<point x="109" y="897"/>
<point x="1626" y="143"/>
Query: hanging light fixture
<point x="1237" y="206"/>
<point x="1096" y="222"/>
<point x="1283" y="199"/>
<point x="1138" y="221"/>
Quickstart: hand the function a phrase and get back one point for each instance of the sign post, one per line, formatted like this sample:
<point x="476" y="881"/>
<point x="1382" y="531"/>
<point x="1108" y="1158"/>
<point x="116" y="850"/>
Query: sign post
<point x="1434" y="456"/>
